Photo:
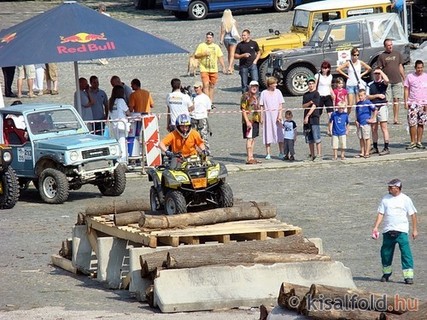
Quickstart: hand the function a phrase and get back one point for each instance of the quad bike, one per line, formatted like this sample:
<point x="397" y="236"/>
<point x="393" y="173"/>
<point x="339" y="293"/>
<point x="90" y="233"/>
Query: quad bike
<point x="188" y="182"/>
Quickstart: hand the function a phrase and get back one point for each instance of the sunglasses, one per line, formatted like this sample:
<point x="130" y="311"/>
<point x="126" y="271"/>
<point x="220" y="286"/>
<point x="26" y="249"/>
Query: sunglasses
<point x="355" y="55"/>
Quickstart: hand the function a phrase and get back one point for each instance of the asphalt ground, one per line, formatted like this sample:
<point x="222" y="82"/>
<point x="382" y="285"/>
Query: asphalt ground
<point x="333" y="200"/>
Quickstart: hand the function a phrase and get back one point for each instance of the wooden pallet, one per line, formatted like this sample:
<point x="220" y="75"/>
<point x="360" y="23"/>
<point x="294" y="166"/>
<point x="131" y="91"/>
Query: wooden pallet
<point x="220" y="232"/>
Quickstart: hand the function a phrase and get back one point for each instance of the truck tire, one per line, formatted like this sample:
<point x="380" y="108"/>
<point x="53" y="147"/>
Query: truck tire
<point x="283" y="5"/>
<point x="197" y="10"/>
<point x="263" y="73"/>
<point x="175" y="203"/>
<point x="53" y="186"/>
<point x="116" y="186"/>
<point x="225" y="196"/>
<point x="10" y="187"/>
<point x="296" y="80"/>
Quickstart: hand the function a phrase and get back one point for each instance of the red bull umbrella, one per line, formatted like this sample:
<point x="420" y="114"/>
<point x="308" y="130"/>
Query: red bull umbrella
<point x="72" y="32"/>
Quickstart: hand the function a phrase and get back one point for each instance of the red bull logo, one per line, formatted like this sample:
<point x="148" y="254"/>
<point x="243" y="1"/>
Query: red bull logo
<point x="8" y="38"/>
<point x="84" y="38"/>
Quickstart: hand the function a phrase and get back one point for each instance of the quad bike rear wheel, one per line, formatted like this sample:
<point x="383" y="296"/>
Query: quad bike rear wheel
<point x="155" y="204"/>
<point x="175" y="203"/>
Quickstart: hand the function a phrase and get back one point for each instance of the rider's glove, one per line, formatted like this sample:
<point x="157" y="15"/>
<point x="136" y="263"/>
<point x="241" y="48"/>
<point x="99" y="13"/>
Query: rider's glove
<point x="205" y="152"/>
<point x="168" y="153"/>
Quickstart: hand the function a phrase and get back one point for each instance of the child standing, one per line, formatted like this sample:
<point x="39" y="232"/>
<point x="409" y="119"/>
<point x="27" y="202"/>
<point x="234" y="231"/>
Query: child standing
<point x="290" y="134"/>
<point x="366" y="113"/>
<point x="340" y="92"/>
<point x="338" y="125"/>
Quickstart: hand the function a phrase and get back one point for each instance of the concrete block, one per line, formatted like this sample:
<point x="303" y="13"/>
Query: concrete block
<point x="318" y="243"/>
<point x="138" y="285"/>
<point x="83" y="258"/>
<point x="113" y="261"/>
<point x="216" y="287"/>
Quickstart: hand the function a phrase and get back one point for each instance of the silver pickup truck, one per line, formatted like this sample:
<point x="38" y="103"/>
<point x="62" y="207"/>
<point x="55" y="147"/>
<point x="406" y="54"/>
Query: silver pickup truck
<point x="332" y="41"/>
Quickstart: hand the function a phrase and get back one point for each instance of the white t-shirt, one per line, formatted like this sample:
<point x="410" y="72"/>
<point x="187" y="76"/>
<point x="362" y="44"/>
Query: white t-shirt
<point x="178" y="103"/>
<point x="202" y="104"/>
<point x="119" y="110"/>
<point x="352" y="81"/>
<point x="395" y="211"/>
<point x="324" y="86"/>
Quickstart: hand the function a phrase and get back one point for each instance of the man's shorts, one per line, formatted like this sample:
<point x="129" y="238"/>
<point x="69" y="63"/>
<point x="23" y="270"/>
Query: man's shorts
<point x="314" y="135"/>
<point x="51" y="72"/>
<point x="352" y="89"/>
<point x="211" y="77"/>
<point x="339" y="142"/>
<point x="394" y="91"/>
<point x="252" y="133"/>
<point x="382" y="115"/>
<point x="417" y="115"/>
<point x="26" y="72"/>
<point x="364" y="131"/>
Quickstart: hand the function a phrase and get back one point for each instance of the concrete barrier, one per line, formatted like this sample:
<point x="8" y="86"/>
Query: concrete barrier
<point x="209" y="288"/>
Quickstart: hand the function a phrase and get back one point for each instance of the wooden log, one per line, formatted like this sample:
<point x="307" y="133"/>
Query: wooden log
<point x="151" y="263"/>
<point x="63" y="263"/>
<point x="416" y="310"/>
<point x="264" y="311"/>
<point x="290" y="295"/>
<point x="123" y="219"/>
<point x="117" y="206"/>
<point x="230" y="254"/>
<point x="349" y="299"/>
<point x="66" y="249"/>
<point x="149" y="295"/>
<point x="243" y="211"/>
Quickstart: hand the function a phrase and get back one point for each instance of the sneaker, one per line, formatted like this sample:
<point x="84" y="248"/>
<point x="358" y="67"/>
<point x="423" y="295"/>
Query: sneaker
<point x="40" y="93"/>
<point x="419" y="145"/>
<point x="285" y="158"/>
<point x="411" y="146"/>
<point x="384" y="152"/>
<point x="291" y="158"/>
<point x="318" y="159"/>
<point x="385" y="277"/>
<point x="213" y="107"/>
<point x="54" y="92"/>
<point x="281" y="156"/>
<point x="267" y="157"/>
<point x="409" y="281"/>
<point x="374" y="151"/>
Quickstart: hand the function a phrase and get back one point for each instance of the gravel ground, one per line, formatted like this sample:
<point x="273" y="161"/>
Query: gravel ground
<point x="335" y="201"/>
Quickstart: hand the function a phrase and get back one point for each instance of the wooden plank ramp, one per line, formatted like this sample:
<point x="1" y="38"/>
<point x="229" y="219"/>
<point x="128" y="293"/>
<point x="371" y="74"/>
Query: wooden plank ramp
<point x="221" y="232"/>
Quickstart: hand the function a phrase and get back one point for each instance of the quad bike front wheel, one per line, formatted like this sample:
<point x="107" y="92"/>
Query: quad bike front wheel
<point x="175" y="203"/>
<point x="225" y="196"/>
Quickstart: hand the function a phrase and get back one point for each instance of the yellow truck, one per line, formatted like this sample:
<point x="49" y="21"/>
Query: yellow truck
<point x="306" y="18"/>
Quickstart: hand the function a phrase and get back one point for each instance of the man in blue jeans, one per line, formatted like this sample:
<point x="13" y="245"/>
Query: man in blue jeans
<point x="248" y="53"/>
<point x="310" y="103"/>
<point x="394" y="210"/>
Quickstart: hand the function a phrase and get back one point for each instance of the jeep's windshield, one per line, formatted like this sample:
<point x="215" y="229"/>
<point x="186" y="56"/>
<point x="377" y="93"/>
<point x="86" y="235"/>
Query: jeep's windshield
<point x="301" y="18"/>
<point x="53" y="121"/>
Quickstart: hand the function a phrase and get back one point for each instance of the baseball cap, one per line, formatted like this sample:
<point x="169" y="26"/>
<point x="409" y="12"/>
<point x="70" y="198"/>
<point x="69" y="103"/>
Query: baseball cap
<point x="254" y="83"/>
<point x="395" y="183"/>
<point x="197" y="84"/>
<point x="311" y="79"/>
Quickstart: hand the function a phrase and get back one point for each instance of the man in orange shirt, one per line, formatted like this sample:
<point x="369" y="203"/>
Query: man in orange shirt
<point x="140" y="100"/>
<point x="183" y="139"/>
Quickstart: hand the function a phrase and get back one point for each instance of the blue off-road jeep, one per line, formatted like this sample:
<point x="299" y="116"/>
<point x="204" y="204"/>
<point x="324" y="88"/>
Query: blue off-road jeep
<point x="52" y="148"/>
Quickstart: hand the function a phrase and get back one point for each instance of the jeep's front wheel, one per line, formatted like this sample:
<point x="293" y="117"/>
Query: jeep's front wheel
<point x="115" y="185"/>
<point x="296" y="80"/>
<point x="53" y="186"/>
<point x="175" y="203"/>
<point x="283" y="5"/>
<point x="9" y="194"/>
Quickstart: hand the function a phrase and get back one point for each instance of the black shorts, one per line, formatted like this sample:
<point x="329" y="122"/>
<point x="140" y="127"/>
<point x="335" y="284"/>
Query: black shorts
<point x="253" y="133"/>
<point x="326" y="101"/>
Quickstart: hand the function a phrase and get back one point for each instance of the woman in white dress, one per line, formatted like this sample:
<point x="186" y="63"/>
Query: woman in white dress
<point x="118" y="112"/>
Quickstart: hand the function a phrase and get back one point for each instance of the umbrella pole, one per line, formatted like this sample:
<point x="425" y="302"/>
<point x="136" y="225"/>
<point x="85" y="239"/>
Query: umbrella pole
<point x="78" y="98"/>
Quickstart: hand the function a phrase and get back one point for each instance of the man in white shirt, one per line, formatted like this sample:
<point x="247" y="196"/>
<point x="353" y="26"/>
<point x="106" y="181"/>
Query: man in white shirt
<point x="177" y="103"/>
<point x="202" y="105"/>
<point x="394" y="209"/>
